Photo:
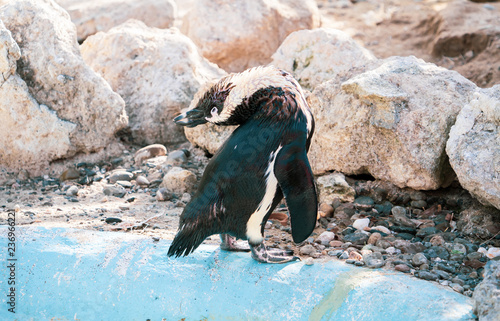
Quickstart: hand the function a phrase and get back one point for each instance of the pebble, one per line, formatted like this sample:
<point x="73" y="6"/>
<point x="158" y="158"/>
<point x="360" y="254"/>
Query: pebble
<point x="374" y="238"/>
<point x="163" y="194"/>
<point x="149" y="151"/>
<point x="426" y="275"/>
<point x="357" y="238"/>
<point x="437" y="251"/>
<point x="418" y="204"/>
<point x="382" y="229"/>
<point x="426" y="231"/>
<point x="186" y="198"/>
<point x="125" y="184"/>
<point x="141" y="180"/>
<point x="325" y="238"/>
<point x="400" y="218"/>
<point x="336" y="243"/>
<point x="355" y="256"/>
<point x="457" y="287"/>
<point x="120" y="176"/>
<point x="361" y="224"/>
<point x="72" y="191"/>
<point x="437" y="240"/>
<point x="344" y="255"/>
<point x="457" y="252"/>
<point x="307" y="249"/>
<point x="442" y="274"/>
<point x="110" y="220"/>
<point x="419" y="259"/>
<point x="69" y="174"/>
<point x="336" y="253"/>
<point x="309" y="261"/>
<point x="374" y="260"/>
<point x="402" y="268"/>
<point x="327" y="209"/>
<point x="176" y="157"/>
<point x="391" y="250"/>
<point x="116" y="191"/>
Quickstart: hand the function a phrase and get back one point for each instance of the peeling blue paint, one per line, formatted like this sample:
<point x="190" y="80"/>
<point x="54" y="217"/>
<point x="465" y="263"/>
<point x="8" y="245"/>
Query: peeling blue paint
<point x="84" y="275"/>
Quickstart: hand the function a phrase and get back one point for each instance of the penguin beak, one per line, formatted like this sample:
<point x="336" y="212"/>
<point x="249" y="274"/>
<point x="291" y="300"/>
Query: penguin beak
<point x="191" y="118"/>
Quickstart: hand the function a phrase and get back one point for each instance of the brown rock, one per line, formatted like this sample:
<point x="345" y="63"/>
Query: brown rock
<point x="373" y="239"/>
<point x="327" y="209"/>
<point x="402" y="268"/>
<point x="149" y="152"/>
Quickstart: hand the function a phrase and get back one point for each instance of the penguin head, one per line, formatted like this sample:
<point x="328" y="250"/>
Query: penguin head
<point x="232" y="100"/>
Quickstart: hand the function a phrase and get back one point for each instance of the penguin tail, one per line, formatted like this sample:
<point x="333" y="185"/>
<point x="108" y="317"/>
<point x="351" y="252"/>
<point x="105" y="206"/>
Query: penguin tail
<point x="188" y="238"/>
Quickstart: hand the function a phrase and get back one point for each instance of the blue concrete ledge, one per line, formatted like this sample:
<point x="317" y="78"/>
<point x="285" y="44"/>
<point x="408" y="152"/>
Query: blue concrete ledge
<point x="83" y="275"/>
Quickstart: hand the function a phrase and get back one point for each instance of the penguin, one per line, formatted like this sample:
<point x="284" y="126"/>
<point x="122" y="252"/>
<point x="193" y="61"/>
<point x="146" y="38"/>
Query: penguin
<point x="264" y="160"/>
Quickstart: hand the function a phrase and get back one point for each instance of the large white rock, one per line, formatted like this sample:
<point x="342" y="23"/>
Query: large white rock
<point x="315" y="56"/>
<point x="156" y="71"/>
<point x="55" y="106"/>
<point x="474" y="146"/>
<point x="239" y="34"/>
<point x="392" y="122"/>
<point x="91" y="16"/>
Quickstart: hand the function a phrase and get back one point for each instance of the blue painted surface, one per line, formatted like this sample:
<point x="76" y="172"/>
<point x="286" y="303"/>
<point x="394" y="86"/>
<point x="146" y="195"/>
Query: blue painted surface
<point x="85" y="275"/>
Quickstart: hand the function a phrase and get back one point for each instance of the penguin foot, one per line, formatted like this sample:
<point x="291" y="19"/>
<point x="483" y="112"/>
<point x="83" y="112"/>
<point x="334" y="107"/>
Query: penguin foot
<point x="265" y="254"/>
<point x="230" y="243"/>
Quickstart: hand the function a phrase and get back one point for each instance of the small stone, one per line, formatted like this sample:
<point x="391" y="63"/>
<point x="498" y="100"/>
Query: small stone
<point x="383" y="244"/>
<point x="325" y="238"/>
<point x="356" y="238"/>
<point x="418" y="204"/>
<point x="402" y="268"/>
<point x="179" y="180"/>
<point x="176" y="158"/>
<point x="473" y="275"/>
<point x="125" y="184"/>
<point x="186" y="198"/>
<point x="391" y="250"/>
<point x="437" y="251"/>
<point x="374" y="260"/>
<point x="364" y="202"/>
<point x="120" y="176"/>
<point x="336" y="243"/>
<point x="384" y="208"/>
<point x="419" y="259"/>
<point x="141" y="180"/>
<point x="361" y="224"/>
<point x="400" y="218"/>
<point x="382" y="229"/>
<point x="72" y="191"/>
<point x="149" y="152"/>
<point x="426" y="275"/>
<point x="307" y="249"/>
<point x="336" y="253"/>
<point x="442" y="274"/>
<point x="69" y="174"/>
<point x="493" y="252"/>
<point x="374" y="238"/>
<point x="163" y="194"/>
<point x="426" y="231"/>
<point x="424" y="267"/>
<point x="327" y="209"/>
<point x="437" y="240"/>
<point x="457" y="287"/>
<point x="110" y="220"/>
<point x="344" y="255"/>
<point x="116" y="191"/>
<point x="355" y="256"/>
<point x="457" y="252"/>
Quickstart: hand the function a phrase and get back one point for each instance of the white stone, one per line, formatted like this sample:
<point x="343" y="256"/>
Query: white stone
<point x="54" y="106"/>
<point x="325" y="238"/>
<point x="474" y="146"/>
<point x="315" y="56"/>
<point x="156" y="71"/>
<point x="382" y="229"/>
<point x="91" y="16"/>
<point x="391" y="122"/>
<point x="239" y="34"/>
<point x="361" y="223"/>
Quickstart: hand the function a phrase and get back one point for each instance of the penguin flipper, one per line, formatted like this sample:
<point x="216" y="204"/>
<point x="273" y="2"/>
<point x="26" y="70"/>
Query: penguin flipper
<point x="295" y="177"/>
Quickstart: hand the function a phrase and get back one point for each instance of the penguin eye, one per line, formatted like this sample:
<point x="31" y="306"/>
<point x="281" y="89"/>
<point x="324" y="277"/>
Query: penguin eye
<point x="214" y="111"/>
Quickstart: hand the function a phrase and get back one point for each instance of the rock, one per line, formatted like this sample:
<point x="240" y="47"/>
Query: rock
<point x="101" y="15"/>
<point x="336" y="243"/>
<point x="315" y="56"/>
<point x="429" y="276"/>
<point x="163" y="194"/>
<point x="148" y="152"/>
<point x="69" y="174"/>
<point x="334" y="186"/>
<point x="125" y="184"/>
<point x="179" y="180"/>
<point x="400" y="218"/>
<point x="325" y="238"/>
<point x="344" y="255"/>
<point x="437" y="240"/>
<point x="391" y="250"/>
<point x="442" y="274"/>
<point x="361" y="224"/>
<point x="374" y="260"/>
<point x="176" y="158"/>
<point x="474" y="146"/>
<point x="186" y="198"/>
<point x="402" y="268"/>
<point x="457" y="252"/>
<point x="437" y="251"/>
<point x="72" y="191"/>
<point x="208" y="137"/>
<point x="327" y="209"/>
<point x="380" y="122"/>
<point x="307" y="249"/>
<point x="487" y="293"/>
<point x="382" y="229"/>
<point x="156" y="71"/>
<point x="256" y="30"/>
<point x="426" y="231"/>
<point x="354" y="255"/>
<point x="419" y="259"/>
<point x="356" y="238"/>
<point x="374" y="238"/>
<point x="479" y="221"/>
<point x="120" y="175"/>
<point x="110" y="220"/>
<point x="457" y="287"/>
<point x="141" y="180"/>
<point x="63" y="106"/>
<point x="117" y="191"/>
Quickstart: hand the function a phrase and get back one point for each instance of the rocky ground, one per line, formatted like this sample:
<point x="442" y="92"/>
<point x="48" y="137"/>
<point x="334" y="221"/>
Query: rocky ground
<point x="433" y="235"/>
